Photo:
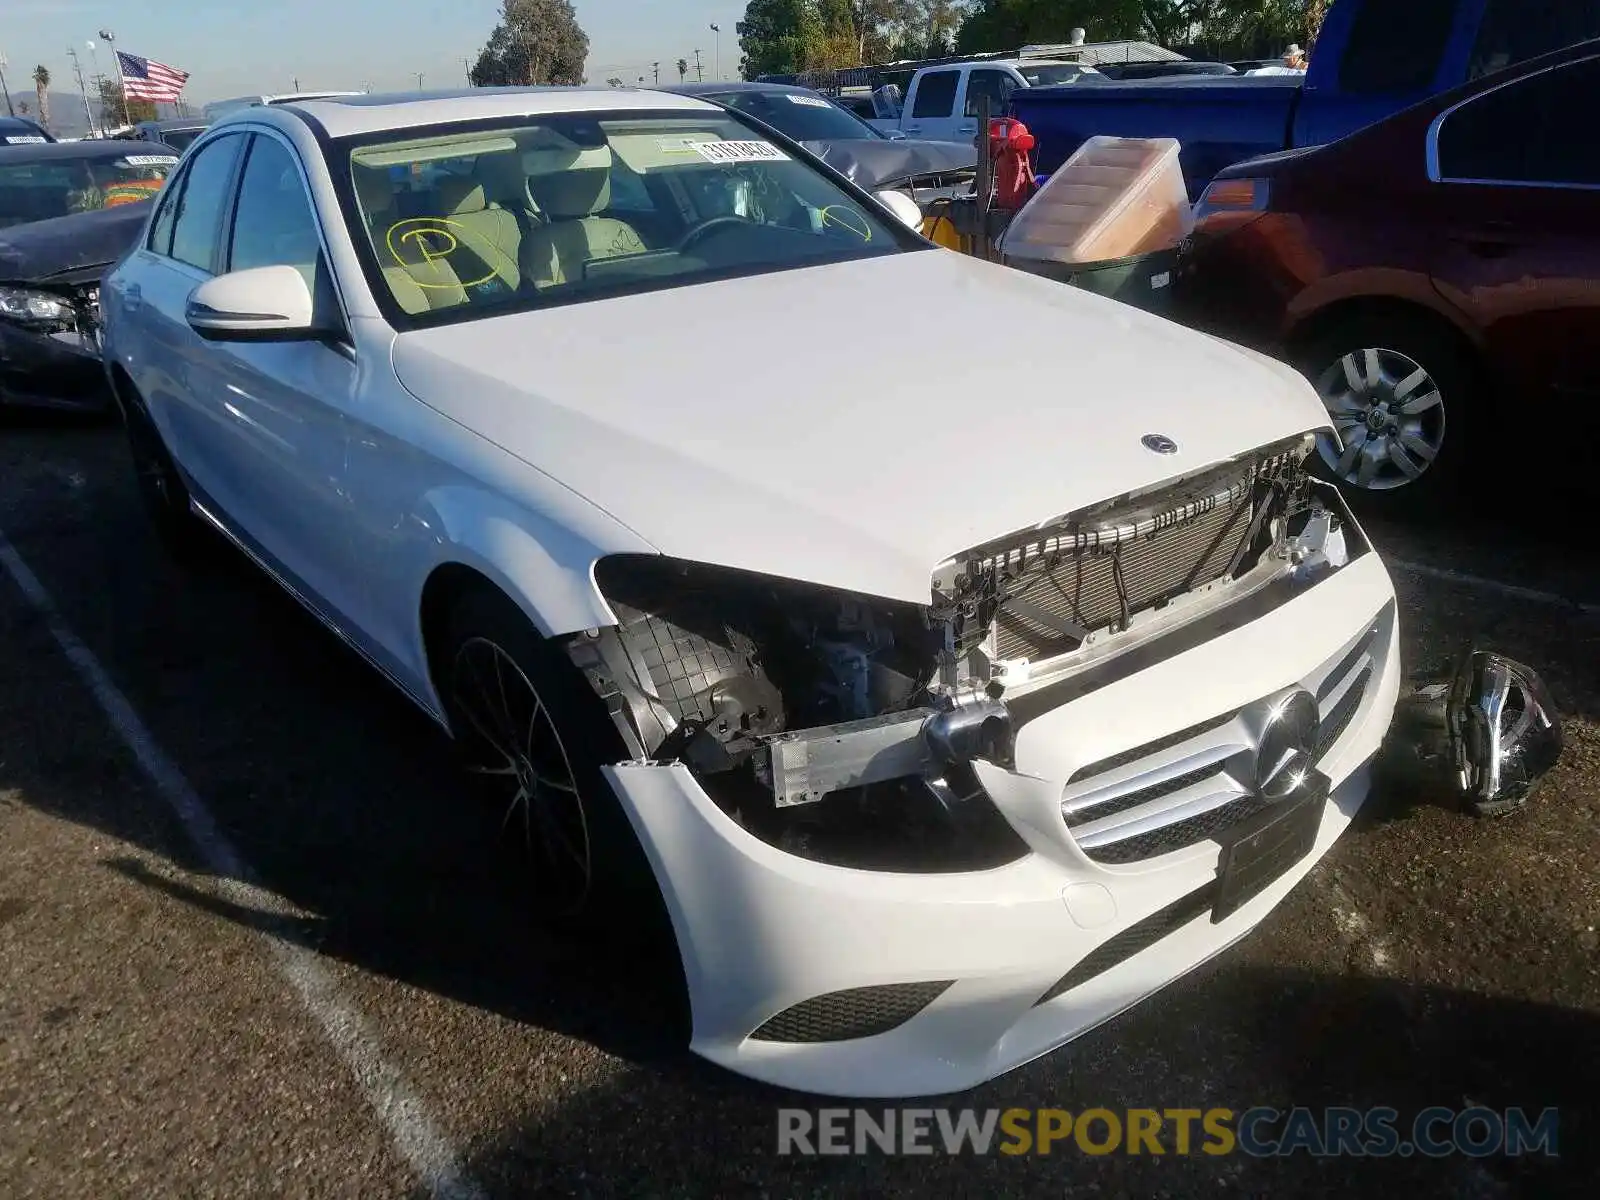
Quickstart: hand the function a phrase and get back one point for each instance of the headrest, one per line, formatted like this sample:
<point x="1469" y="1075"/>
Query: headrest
<point x="374" y="192"/>
<point x="503" y="179"/>
<point x="460" y="196"/>
<point x="568" y="181"/>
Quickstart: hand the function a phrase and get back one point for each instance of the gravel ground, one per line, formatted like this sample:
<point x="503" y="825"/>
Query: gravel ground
<point x="149" y="1040"/>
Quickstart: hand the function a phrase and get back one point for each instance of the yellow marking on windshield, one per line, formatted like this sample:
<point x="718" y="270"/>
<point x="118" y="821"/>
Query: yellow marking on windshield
<point x="852" y="220"/>
<point x="435" y="240"/>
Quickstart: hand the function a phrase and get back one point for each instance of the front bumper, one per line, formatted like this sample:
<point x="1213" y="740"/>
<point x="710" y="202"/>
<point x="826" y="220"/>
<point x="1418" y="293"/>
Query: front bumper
<point x="42" y="370"/>
<point x="761" y="931"/>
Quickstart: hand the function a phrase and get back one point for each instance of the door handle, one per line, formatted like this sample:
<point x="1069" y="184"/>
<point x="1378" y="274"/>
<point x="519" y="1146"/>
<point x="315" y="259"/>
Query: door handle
<point x="968" y="129"/>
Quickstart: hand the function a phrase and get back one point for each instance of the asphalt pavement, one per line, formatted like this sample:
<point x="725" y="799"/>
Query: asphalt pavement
<point x="253" y="940"/>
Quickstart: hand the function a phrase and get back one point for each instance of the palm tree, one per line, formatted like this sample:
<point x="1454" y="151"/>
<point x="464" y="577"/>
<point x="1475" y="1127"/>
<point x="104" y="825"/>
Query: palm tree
<point x="41" y="86"/>
<point x="683" y="68"/>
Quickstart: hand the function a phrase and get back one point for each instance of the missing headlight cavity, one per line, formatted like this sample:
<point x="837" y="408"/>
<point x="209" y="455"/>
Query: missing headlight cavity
<point x="781" y="695"/>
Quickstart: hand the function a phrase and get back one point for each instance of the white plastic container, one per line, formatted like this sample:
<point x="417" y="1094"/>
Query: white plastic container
<point x="1114" y="199"/>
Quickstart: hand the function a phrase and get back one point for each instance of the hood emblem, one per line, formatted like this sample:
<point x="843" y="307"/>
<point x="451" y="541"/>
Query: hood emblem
<point x="1159" y="443"/>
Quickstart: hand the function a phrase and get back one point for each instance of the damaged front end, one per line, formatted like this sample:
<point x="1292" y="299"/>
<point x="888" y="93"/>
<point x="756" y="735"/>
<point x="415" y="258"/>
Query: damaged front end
<point x="845" y="728"/>
<point x="50" y="343"/>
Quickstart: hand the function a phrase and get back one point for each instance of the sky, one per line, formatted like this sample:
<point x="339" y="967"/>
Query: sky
<point x="240" y="47"/>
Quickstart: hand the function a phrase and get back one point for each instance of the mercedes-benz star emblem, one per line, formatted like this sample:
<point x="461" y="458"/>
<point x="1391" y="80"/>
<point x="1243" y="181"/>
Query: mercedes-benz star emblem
<point x="1287" y="744"/>
<point x="1159" y="443"/>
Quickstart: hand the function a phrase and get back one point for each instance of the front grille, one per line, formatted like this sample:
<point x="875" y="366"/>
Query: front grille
<point x="850" y="1014"/>
<point x="1181" y="790"/>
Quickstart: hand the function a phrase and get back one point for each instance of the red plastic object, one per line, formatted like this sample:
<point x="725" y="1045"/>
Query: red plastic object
<point x="1013" y="171"/>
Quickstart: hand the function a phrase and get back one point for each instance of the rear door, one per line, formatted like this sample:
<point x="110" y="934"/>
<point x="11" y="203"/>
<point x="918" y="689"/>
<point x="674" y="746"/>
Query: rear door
<point x="168" y="364"/>
<point x="931" y="110"/>
<point x="1517" y="173"/>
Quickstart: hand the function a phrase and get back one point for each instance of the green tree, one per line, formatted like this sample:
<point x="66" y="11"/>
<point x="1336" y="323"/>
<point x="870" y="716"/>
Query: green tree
<point x="41" y="88"/>
<point x="536" y="42"/>
<point x="779" y="37"/>
<point x="1011" y="24"/>
<point x="111" y="105"/>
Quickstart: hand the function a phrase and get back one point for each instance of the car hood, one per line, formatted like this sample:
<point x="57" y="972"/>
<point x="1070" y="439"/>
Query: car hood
<point x="870" y="163"/>
<point x="54" y="250"/>
<point x="853" y="424"/>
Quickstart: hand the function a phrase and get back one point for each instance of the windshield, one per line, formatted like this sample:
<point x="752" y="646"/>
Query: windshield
<point x="576" y="207"/>
<point x="58" y="187"/>
<point x="1050" y="75"/>
<point x="802" y="117"/>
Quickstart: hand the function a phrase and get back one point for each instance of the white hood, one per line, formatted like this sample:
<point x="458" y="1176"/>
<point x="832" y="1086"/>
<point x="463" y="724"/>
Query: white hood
<point x="857" y="424"/>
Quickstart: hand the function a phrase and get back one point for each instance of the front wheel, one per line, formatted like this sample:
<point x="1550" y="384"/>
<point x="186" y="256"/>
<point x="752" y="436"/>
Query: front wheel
<point x="1400" y="395"/>
<point x="533" y="737"/>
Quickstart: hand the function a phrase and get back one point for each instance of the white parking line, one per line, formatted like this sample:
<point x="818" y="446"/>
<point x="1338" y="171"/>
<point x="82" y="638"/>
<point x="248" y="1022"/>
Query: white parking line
<point x="415" y="1134"/>
<point x="1516" y="591"/>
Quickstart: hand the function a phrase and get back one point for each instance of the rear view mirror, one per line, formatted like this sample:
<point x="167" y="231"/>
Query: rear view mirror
<point x="263" y="304"/>
<point x="902" y="206"/>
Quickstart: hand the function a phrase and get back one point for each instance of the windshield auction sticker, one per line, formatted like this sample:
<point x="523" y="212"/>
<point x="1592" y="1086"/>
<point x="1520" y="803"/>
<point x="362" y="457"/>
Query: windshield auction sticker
<point x="150" y="160"/>
<point x="739" y="152"/>
<point x="807" y="101"/>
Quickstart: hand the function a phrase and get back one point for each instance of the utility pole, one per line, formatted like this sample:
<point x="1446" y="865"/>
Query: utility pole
<point x="297" y="84"/>
<point x="699" y="72"/>
<point x="83" y="88"/>
<point x="657" y="68"/>
<point x="717" y="29"/>
<point x="466" y="65"/>
<point x="4" y="87"/>
<point x="421" y="75"/>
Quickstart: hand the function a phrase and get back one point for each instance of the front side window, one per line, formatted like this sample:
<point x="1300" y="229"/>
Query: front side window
<point x="1397" y="48"/>
<point x="1534" y="131"/>
<point x="198" y="223"/>
<point x="274" y="225"/>
<point x="54" y="186"/>
<point x="570" y="208"/>
<point x="1514" y="31"/>
<point x="996" y="85"/>
<point x="936" y="94"/>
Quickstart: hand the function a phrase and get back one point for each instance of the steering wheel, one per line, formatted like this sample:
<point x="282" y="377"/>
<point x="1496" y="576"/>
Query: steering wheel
<point x="705" y="229"/>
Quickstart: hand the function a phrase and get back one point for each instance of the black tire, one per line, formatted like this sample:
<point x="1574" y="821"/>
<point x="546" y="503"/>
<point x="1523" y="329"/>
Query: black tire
<point x="1401" y="341"/>
<point x="161" y="488"/>
<point x="621" y="889"/>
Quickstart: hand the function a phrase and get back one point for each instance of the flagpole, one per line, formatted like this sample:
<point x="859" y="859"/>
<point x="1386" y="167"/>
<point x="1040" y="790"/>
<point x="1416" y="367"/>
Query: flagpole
<point x="122" y="87"/>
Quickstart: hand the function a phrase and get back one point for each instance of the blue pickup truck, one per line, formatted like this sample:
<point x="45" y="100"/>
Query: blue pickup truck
<point x="1373" y="58"/>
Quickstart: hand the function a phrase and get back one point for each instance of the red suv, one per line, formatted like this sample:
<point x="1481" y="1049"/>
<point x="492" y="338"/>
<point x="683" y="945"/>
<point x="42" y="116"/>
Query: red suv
<point x="1437" y="276"/>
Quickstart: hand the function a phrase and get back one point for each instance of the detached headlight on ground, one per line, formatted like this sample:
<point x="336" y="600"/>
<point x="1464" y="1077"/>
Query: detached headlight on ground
<point x="36" y="310"/>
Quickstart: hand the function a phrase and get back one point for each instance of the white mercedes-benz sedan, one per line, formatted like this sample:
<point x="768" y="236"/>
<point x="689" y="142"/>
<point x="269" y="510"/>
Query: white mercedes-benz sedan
<point x="949" y="693"/>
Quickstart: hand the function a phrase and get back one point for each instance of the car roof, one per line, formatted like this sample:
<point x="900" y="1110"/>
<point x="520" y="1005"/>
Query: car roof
<point x="170" y="123"/>
<point x="352" y="116"/>
<point x="67" y="151"/>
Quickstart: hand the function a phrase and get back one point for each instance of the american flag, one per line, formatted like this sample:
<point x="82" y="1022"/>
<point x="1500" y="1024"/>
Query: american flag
<point x="146" y="79"/>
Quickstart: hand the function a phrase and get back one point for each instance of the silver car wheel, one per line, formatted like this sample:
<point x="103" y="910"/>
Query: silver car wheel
<point x="1390" y="416"/>
<point x="517" y="749"/>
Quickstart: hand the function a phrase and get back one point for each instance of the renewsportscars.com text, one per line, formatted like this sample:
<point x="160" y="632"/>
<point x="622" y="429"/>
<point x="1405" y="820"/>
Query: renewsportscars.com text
<point x="1259" y="1132"/>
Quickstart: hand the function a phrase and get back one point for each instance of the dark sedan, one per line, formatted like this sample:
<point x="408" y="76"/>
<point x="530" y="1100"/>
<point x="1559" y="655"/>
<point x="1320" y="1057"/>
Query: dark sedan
<point x="1437" y="276"/>
<point x="67" y="212"/>
<point x="867" y="157"/>
<point x="19" y="131"/>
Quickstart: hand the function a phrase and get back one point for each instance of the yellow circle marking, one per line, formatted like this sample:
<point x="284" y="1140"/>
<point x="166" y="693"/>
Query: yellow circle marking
<point x="418" y="230"/>
<point x="852" y="220"/>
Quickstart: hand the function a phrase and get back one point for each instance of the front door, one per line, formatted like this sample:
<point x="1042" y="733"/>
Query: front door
<point x="1518" y="189"/>
<point x="931" y="112"/>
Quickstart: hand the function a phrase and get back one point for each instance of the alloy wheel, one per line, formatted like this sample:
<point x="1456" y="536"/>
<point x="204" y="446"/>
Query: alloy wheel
<point x="1390" y="416"/>
<point x="514" y="746"/>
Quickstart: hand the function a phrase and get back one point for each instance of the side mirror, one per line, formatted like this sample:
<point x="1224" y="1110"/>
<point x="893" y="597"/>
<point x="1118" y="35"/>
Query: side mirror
<point x="263" y="304"/>
<point x="902" y="206"/>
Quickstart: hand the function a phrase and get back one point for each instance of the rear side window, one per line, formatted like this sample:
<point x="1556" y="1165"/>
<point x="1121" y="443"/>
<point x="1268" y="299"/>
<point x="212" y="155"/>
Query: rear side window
<point x="1538" y="130"/>
<point x="166" y="216"/>
<point x="936" y="94"/>
<point x="205" y="192"/>
<point x="1397" y="47"/>
<point x="1514" y="31"/>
